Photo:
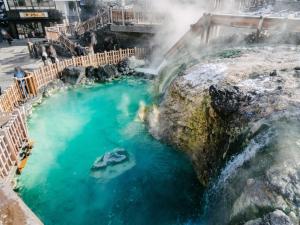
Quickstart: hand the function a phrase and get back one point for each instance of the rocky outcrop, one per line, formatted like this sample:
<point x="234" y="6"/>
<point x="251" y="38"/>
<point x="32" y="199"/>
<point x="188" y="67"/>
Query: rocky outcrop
<point x="13" y="211"/>
<point x="53" y="87"/>
<point x="103" y="73"/>
<point x="275" y="218"/>
<point x="208" y="110"/>
<point x="241" y="107"/>
<point x="108" y="72"/>
<point x="73" y="75"/>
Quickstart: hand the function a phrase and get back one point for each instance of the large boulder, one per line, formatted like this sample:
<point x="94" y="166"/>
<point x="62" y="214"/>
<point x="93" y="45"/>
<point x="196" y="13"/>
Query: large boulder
<point x="73" y="75"/>
<point x="127" y="66"/>
<point x="103" y="73"/>
<point x="274" y="218"/>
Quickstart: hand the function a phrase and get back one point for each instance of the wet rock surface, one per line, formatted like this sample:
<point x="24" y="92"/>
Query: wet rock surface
<point x="80" y="75"/>
<point x="103" y="73"/>
<point x="278" y="188"/>
<point x="73" y="75"/>
<point x="115" y="157"/>
<point x="213" y="112"/>
<point x="112" y="164"/>
<point x="275" y="218"/>
<point x="106" y="73"/>
<point x="53" y="87"/>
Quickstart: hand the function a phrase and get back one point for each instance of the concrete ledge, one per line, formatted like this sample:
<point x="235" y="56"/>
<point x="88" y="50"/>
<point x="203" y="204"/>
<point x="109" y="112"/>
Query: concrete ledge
<point x="13" y="210"/>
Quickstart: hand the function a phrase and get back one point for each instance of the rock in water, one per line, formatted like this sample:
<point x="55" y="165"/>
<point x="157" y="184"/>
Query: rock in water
<point x="115" y="157"/>
<point x="112" y="164"/>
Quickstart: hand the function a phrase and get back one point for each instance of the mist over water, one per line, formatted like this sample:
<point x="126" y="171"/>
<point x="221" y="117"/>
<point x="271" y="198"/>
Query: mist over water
<point x="73" y="128"/>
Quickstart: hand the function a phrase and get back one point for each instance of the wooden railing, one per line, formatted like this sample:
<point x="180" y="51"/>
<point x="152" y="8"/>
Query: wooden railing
<point x="28" y="87"/>
<point x="13" y="136"/>
<point x="60" y="33"/>
<point x="208" y="27"/>
<point x="119" y="16"/>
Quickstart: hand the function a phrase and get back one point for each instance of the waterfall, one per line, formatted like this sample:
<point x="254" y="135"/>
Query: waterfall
<point x="152" y="70"/>
<point x="219" y="194"/>
<point x="254" y="146"/>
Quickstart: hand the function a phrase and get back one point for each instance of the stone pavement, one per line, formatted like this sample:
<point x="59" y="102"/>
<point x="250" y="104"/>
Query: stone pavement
<point x="12" y="56"/>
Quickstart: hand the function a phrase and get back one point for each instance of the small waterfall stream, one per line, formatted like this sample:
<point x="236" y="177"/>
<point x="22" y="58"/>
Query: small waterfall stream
<point x="154" y="69"/>
<point x="275" y="148"/>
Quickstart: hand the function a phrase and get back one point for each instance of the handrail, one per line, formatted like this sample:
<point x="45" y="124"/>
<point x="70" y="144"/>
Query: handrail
<point x="119" y="16"/>
<point x="13" y="136"/>
<point x="59" y="33"/>
<point x="207" y="22"/>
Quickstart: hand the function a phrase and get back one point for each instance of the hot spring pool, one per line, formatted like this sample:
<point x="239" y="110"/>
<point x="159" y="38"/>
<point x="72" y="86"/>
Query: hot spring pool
<point x="71" y="129"/>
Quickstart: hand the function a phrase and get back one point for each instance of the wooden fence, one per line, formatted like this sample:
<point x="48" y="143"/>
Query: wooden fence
<point x="28" y="87"/>
<point x="13" y="136"/>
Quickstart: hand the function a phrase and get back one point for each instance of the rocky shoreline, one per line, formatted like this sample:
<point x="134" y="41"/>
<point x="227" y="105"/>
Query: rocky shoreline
<point x="85" y="76"/>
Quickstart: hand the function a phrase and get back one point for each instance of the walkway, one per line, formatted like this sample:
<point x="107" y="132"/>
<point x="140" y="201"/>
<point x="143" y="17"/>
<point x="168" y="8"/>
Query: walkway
<point x="12" y="56"/>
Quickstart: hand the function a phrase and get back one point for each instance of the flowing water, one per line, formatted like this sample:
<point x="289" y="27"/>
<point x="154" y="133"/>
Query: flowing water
<point x="274" y="150"/>
<point x="71" y="129"/>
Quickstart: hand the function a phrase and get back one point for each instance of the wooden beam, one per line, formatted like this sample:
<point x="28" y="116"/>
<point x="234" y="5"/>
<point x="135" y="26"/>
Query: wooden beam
<point x="253" y="22"/>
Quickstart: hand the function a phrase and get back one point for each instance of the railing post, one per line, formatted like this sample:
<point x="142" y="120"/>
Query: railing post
<point x="208" y="27"/>
<point x="123" y="17"/>
<point x="136" y="52"/>
<point x="111" y="15"/>
<point x="127" y="52"/>
<point x="113" y="57"/>
<point x="120" y="53"/>
<point x="105" y="56"/>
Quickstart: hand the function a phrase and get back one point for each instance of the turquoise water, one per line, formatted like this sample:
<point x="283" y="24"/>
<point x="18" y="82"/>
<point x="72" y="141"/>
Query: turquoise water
<point x="71" y="129"/>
